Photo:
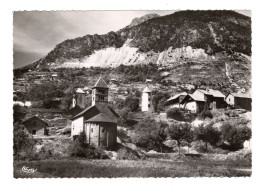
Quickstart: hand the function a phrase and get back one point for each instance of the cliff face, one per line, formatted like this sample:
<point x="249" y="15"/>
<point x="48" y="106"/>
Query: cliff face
<point x="179" y="37"/>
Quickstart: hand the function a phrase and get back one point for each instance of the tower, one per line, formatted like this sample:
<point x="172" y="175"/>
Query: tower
<point x="100" y="92"/>
<point x="146" y="103"/>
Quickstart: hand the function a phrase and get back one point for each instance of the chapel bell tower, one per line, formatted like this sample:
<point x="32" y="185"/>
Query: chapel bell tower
<point x="100" y="92"/>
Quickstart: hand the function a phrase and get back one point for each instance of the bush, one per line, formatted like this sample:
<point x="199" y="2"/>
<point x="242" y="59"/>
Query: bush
<point x="235" y="135"/>
<point x="175" y="113"/>
<point x="23" y="143"/>
<point x="80" y="148"/>
<point x="205" y="114"/>
<point x="150" y="134"/>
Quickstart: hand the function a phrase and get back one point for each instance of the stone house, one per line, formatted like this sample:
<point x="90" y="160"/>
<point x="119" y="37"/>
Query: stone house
<point x="174" y="102"/>
<point x="204" y="100"/>
<point x="239" y="101"/>
<point x="99" y="121"/>
<point x="36" y="126"/>
<point x="193" y="103"/>
<point x="214" y="99"/>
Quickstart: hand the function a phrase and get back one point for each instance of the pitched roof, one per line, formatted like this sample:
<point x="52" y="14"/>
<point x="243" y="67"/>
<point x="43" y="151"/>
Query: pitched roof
<point x="215" y="93"/>
<point x="241" y="95"/>
<point x="100" y="118"/>
<point x="101" y="108"/>
<point x="204" y="91"/>
<point x="100" y="83"/>
<point x="197" y="97"/>
<point x="79" y="90"/>
<point x="83" y="112"/>
<point x="176" y="96"/>
<point x="35" y="117"/>
<point x="194" y="97"/>
<point x="146" y="89"/>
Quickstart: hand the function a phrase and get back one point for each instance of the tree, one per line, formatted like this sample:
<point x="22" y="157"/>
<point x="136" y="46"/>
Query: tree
<point x="45" y="92"/>
<point x="207" y="134"/>
<point x="159" y="99"/>
<point x="175" y="113"/>
<point x="235" y="135"/>
<point x="150" y="134"/>
<point x="189" y="135"/>
<point x="19" y="113"/>
<point x="132" y="103"/>
<point x="23" y="142"/>
<point x="124" y="114"/>
<point x="179" y="132"/>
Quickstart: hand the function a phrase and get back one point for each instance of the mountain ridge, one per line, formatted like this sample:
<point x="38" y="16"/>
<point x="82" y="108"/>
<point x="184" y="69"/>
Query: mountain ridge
<point x="211" y="32"/>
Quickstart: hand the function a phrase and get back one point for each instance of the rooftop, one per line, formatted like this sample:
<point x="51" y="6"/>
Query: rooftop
<point x="100" y="118"/>
<point x="194" y="97"/>
<point x="146" y="89"/>
<point x="35" y="117"/>
<point x="101" y="108"/>
<point x="176" y="96"/>
<point x="241" y="95"/>
<point x="100" y="83"/>
<point x="79" y="90"/>
<point x="215" y="93"/>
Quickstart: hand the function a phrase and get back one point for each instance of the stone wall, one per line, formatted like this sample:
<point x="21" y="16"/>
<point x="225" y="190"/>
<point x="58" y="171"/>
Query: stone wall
<point x="101" y="134"/>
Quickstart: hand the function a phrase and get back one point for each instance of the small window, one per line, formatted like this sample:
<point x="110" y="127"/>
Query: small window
<point x="34" y="132"/>
<point x="91" y="130"/>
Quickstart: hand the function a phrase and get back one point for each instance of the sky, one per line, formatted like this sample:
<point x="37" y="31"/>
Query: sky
<point x="35" y="33"/>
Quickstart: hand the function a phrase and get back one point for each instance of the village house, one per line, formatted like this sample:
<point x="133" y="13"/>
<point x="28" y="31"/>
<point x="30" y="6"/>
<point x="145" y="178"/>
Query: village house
<point x="146" y="101"/>
<point x="193" y="103"/>
<point x="214" y="98"/>
<point x="239" y="101"/>
<point x="36" y="126"/>
<point x="204" y="100"/>
<point x="99" y="121"/>
<point x="174" y="102"/>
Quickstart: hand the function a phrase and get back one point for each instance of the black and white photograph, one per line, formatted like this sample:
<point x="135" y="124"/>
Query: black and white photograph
<point x="139" y="94"/>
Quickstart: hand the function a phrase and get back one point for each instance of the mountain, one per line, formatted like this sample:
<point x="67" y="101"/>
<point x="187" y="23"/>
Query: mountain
<point x="199" y="36"/>
<point x="137" y="21"/>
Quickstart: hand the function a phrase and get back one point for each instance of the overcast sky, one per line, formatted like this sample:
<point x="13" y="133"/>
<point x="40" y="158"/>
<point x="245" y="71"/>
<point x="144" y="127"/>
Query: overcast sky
<point x="36" y="33"/>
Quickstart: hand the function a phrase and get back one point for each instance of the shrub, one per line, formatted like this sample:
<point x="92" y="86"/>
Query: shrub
<point x="235" y="135"/>
<point x="150" y="134"/>
<point x="205" y="114"/>
<point x="175" y="113"/>
<point x="80" y="148"/>
<point x="23" y="143"/>
<point x="132" y="103"/>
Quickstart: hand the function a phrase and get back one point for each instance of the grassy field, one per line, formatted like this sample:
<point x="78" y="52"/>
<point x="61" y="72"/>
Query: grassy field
<point x="130" y="168"/>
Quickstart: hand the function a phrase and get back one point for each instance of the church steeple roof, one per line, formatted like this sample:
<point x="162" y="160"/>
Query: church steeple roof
<point x="146" y="89"/>
<point x="100" y="83"/>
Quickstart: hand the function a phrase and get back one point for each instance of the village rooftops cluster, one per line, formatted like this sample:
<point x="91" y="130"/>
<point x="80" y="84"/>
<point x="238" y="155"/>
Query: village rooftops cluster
<point x="209" y="99"/>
